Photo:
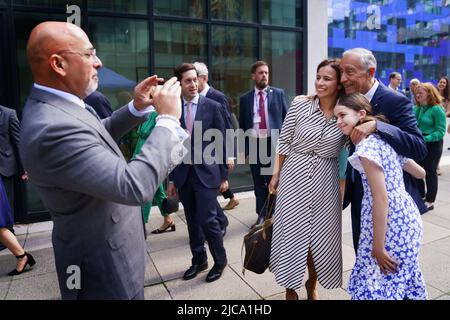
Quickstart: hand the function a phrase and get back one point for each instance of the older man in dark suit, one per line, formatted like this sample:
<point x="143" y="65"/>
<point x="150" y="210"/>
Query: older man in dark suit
<point x="100" y="103"/>
<point x="198" y="178"/>
<point x="358" y="75"/>
<point x="261" y="110"/>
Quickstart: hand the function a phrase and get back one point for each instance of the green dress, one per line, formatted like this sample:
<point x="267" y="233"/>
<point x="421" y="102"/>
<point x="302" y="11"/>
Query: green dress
<point x="143" y="132"/>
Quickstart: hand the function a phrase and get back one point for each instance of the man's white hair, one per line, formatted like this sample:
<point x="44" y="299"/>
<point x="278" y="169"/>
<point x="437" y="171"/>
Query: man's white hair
<point x="367" y="58"/>
<point x="414" y="80"/>
<point x="202" y="69"/>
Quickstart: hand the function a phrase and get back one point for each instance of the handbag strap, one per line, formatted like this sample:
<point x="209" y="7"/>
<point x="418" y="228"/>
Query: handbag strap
<point x="269" y="204"/>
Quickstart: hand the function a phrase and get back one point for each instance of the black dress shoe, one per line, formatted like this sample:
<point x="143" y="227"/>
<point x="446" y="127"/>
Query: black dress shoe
<point x="215" y="273"/>
<point x="194" y="270"/>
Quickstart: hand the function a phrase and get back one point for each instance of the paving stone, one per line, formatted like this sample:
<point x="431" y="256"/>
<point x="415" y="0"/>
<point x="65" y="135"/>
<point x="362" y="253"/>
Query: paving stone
<point x="38" y="241"/>
<point x="436" y="268"/>
<point x="151" y="274"/>
<point x="228" y="287"/>
<point x="156" y="292"/>
<point x="432" y="232"/>
<point x="4" y="287"/>
<point x="46" y="226"/>
<point x="41" y="287"/>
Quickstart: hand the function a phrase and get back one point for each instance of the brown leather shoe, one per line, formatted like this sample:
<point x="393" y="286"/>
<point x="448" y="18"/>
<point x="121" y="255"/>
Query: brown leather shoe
<point x="231" y="204"/>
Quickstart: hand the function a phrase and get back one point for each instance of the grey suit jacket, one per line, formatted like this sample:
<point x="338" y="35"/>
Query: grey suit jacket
<point x="10" y="163"/>
<point x="92" y="193"/>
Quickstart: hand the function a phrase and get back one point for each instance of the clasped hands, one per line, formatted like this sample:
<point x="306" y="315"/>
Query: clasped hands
<point x="165" y="98"/>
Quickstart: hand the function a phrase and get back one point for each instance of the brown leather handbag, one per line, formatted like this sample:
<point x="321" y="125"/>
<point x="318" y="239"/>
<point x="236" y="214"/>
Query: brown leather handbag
<point x="258" y="240"/>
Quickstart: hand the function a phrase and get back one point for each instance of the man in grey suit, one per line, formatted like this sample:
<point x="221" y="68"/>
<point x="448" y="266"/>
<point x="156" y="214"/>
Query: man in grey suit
<point x="10" y="164"/>
<point x="73" y="158"/>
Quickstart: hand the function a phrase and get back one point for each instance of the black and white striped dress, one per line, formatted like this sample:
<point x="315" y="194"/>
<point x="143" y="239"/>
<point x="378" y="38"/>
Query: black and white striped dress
<point x="308" y="208"/>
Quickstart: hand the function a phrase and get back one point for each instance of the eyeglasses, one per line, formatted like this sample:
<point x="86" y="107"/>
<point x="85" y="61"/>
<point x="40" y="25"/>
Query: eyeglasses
<point x="90" y="54"/>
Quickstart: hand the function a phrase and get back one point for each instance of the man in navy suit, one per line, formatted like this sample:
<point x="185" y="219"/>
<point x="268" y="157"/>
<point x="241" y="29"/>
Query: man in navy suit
<point x="207" y="91"/>
<point x="199" y="178"/>
<point x="262" y="111"/>
<point x="100" y="104"/>
<point x="358" y="75"/>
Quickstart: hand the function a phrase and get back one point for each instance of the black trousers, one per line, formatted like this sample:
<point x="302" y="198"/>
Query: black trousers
<point x="430" y="164"/>
<point x="261" y="170"/>
<point x="200" y="207"/>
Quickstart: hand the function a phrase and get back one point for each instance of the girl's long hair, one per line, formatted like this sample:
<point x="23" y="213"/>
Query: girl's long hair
<point x="357" y="102"/>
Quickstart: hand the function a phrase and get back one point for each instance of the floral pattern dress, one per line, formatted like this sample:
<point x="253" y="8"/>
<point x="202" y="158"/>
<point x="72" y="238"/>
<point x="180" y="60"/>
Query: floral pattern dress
<point x="403" y="235"/>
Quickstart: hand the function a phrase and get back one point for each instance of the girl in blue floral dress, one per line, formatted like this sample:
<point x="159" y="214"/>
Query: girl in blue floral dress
<point x="387" y="260"/>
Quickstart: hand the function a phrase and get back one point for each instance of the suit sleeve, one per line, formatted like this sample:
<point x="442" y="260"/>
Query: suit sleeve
<point x="242" y="113"/>
<point x="402" y="132"/>
<point x="219" y="124"/>
<point x="73" y="157"/>
<point x="14" y="132"/>
<point x="284" y="105"/>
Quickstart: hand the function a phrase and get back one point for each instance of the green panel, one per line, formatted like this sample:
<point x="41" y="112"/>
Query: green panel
<point x="234" y="10"/>
<point x="122" y="45"/>
<point x="183" y="8"/>
<point x="234" y="50"/>
<point x="119" y="6"/>
<point x="286" y="13"/>
<point x="283" y="51"/>
<point x="177" y="42"/>
<point x="57" y="4"/>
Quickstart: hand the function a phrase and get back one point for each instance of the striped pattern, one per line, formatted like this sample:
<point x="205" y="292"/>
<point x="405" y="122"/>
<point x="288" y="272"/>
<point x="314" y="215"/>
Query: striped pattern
<point x="308" y="209"/>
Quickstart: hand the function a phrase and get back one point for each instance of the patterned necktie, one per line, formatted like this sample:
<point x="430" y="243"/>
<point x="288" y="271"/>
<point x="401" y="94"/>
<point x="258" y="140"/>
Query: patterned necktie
<point x="262" y="112"/>
<point x="92" y="111"/>
<point x="189" y="118"/>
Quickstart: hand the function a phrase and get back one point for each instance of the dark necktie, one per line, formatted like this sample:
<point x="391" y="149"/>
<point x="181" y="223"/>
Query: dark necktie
<point x="92" y="111"/>
<point x="262" y="111"/>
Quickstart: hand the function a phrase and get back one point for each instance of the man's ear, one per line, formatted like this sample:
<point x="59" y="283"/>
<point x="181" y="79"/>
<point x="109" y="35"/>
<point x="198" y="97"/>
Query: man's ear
<point x="253" y="76"/>
<point x="58" y="64"/>
<point x="371" y="71"/>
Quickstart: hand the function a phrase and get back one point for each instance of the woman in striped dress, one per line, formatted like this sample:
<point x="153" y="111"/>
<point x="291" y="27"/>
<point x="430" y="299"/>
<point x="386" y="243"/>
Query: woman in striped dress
<point x="307" y="218"/>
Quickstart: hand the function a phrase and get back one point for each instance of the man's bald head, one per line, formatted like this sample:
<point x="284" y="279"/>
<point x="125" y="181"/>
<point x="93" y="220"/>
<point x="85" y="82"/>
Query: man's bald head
<point x="52" y="54"/>
<point x="51" y="37"/>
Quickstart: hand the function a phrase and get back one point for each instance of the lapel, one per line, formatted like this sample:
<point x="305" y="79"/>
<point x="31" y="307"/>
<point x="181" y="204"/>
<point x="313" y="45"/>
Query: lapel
<point x="200" y="108"/>
<point x="377" y="97"/>
<point x="251" y="105"/>
<point x="77" y="112"/>
<point x="182" y="122"/>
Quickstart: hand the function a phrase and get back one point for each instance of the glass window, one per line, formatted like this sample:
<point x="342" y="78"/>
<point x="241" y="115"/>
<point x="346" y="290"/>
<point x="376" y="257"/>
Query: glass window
<point x="119" y="6"/>
<point x="47" y="3"/>
<point x="234" y="50"/>
<point x="288" y="13"/>
<point x="234" y="10"/>
<point x="2" y="3"/>
<point x="177" y="42"/>
<point x="123" y="47"/>
<point x="192" y="8"/>
<point x="283" y="52"/>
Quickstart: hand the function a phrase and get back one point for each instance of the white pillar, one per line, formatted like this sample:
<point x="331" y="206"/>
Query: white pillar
<point x="317" y="29"/>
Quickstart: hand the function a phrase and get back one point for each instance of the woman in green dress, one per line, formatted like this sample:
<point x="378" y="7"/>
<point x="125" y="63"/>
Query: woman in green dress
<point x="143" y="132"/>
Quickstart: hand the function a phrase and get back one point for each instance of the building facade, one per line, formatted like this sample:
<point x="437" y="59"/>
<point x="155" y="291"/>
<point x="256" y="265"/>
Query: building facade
<point x="136" y="38"/>
<point x="407" y="36"/>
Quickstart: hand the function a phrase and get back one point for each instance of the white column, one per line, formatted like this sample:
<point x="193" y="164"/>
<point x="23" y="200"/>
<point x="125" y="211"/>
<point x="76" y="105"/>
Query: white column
<point x="317" y="30"/>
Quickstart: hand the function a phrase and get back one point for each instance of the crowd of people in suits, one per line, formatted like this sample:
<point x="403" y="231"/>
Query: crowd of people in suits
<point x="70" y="134"/>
